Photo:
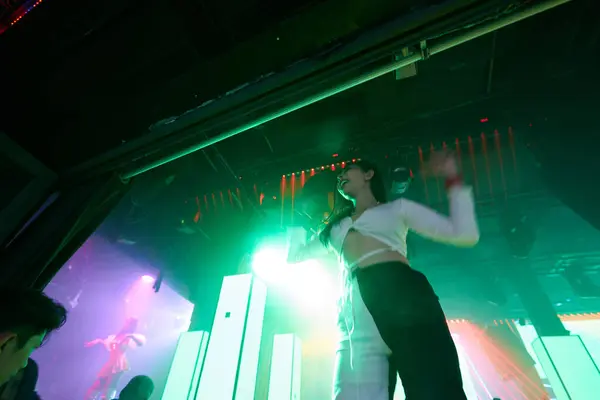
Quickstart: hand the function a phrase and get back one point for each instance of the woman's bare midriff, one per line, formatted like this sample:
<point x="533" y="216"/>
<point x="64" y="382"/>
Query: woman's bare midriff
<point x="356" y="245"/>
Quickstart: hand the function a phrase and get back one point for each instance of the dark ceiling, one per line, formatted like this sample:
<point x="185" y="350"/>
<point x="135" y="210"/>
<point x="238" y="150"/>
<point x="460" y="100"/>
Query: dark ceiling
<point x="81" y="81"/>
<point x="101" y="75"/>
<point x="96" y="78"/>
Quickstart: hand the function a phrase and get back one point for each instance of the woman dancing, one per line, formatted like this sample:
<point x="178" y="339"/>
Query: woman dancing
<point x="105" y="385"/>
<point x="391" y="320"/>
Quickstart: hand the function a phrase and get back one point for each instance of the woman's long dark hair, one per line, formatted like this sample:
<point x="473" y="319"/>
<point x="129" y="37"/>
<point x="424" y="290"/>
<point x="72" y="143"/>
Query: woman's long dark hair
<point x="343" y="208"/>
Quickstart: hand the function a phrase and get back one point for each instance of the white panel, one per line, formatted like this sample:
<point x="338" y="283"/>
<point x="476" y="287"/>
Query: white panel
<point x="185" y="368"/>
<point x="280" y="382"/>
<point x="246" y="380"/>
<point x="297" y="371"/>
<point x="569" y="367"/>
<point x="232" y="355"/>
<point x="286" y="372"/>
<point x="223" y="354"/>
<point x="198" y="369"/>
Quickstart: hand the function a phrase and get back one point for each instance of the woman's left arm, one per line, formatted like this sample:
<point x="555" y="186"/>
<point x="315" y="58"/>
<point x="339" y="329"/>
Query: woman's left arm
<point x="459" y="228"/>
<point x="138" y="339"/>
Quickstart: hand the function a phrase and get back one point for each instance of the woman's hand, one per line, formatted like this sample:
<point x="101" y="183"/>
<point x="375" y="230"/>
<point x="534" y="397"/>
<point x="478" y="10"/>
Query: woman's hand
<point x="296" y="238"/>
<point x="442" y="164"/>
<point x="297" y="253"/>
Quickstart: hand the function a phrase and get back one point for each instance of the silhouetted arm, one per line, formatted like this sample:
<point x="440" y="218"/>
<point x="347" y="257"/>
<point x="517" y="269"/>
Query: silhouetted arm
<point x="94" y="342"/>
<point x="138" y="339"/>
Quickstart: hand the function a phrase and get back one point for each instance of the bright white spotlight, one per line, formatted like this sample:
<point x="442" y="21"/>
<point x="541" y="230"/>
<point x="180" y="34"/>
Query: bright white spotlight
<point x="307" y="283"/>
<point x="147" y="279"/>
<point x="269" y="264"/>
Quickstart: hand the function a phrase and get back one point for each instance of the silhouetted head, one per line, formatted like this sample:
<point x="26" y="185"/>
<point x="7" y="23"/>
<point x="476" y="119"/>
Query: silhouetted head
<point x="139" y="387"/>
<point x="26" y="319"/>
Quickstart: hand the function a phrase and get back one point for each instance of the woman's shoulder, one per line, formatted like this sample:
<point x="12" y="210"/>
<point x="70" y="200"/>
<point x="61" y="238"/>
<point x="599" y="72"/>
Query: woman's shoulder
<point x="341" y="223"/>
<point x="399" y="205"/>
<point x="339" y="227"/>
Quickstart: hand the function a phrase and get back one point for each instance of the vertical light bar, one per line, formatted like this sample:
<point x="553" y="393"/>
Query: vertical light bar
<point x="286" y="368"/>
<point x="229" y="371"/>
<point x="297" y="374"/>
<point x="182" y="380"/>
<point x="569" y="367"/>
<point x="282" y="194"/>
<point x="246" y="379"/>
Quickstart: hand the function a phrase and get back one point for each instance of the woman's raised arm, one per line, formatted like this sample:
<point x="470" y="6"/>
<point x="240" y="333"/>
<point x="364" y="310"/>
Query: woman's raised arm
<point x="300" y="249"/>
<point x="459" y="228"/>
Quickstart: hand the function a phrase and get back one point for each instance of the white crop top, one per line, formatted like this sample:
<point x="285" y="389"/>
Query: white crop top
<point x="389" y="223"/>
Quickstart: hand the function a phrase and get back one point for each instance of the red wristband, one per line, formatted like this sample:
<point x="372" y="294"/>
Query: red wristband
<point x="453" y="181"/>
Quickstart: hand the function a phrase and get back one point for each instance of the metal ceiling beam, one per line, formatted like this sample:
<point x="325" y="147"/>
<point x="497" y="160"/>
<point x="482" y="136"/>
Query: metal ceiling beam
<point x="33" y="192"/>
<point x="346" y="55"/>
<point x="314" y="80"/>
<point x="365" y="77"/>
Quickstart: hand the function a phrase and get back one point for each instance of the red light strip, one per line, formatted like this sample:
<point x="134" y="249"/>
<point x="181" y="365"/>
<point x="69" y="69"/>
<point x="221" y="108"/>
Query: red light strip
<point x="341" y="164"/>
<point x="463" y="157"/>
<point x="24" y="10"/>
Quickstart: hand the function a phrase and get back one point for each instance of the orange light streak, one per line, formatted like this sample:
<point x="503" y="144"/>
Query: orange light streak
<point x="487" y="163"/>
<point x="293" y="190"/>
<point x="498" y="147"/>
<point x="473" y="166"/>
<point x="422" y="167"/>
<point x="283" y="187"/>
<point x="239" y="196"/>
<point x="437" y="179"/>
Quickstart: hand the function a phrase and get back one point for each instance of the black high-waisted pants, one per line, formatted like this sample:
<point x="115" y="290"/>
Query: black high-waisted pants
<point x="418" y="347"/>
